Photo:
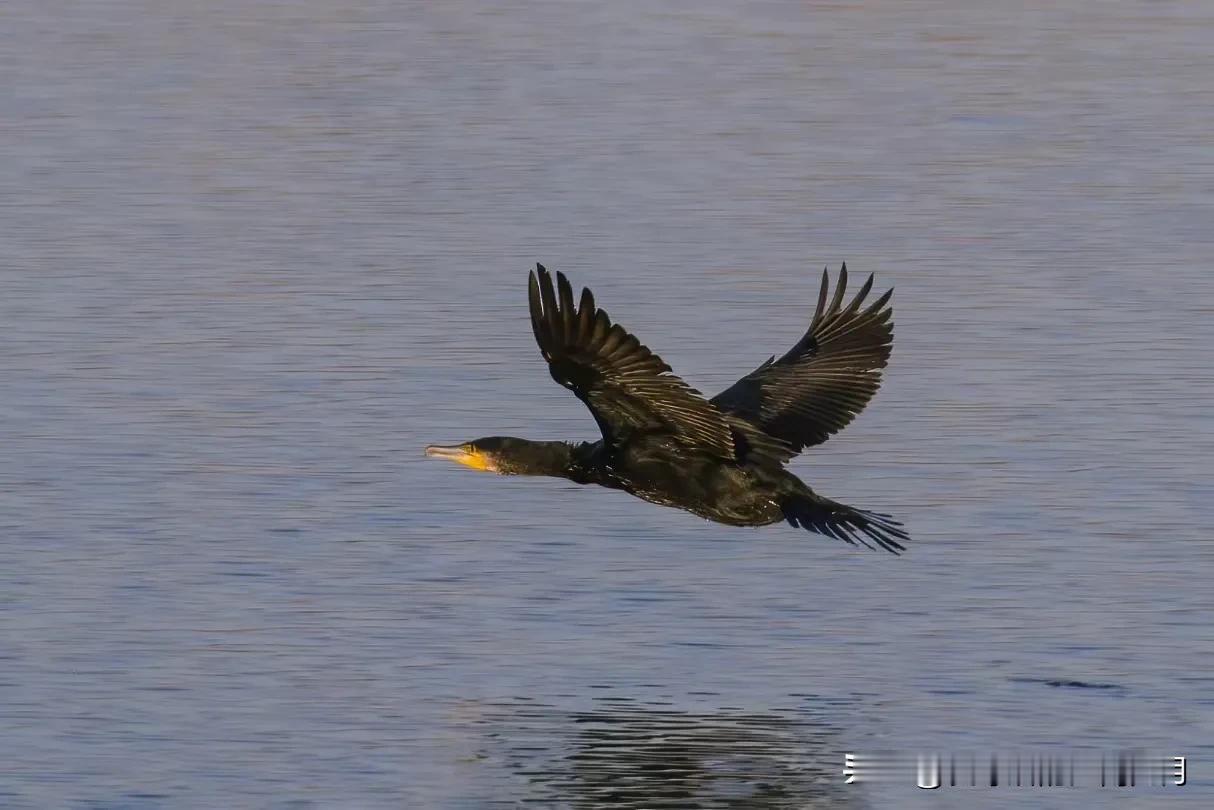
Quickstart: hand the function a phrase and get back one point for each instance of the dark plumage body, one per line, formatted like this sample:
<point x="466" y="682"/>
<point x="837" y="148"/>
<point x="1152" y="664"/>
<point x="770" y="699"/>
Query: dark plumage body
<point x="660" y="471"/>
<point x="722" y="459"/>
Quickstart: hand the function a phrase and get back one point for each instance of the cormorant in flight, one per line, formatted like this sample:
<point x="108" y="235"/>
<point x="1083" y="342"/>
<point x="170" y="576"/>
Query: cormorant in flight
<point x="721" y="458"/>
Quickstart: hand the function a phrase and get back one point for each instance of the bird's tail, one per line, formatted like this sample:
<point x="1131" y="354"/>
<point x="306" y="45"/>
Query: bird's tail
<point x="833" y="519"/>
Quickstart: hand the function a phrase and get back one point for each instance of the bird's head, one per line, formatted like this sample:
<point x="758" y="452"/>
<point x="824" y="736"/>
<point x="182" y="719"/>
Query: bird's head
<point x="506" y="455"/>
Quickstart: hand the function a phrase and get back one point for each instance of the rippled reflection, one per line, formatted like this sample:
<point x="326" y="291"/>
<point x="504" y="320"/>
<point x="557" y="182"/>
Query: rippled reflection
<point x="628" y="754"/>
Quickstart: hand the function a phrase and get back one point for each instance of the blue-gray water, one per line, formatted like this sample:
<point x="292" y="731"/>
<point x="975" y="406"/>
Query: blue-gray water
<point x="254" y="256"/>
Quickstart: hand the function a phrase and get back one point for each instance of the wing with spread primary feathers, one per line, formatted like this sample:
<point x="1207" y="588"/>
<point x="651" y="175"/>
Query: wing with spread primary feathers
<point x="821" y="383"/>
<point x="627" y="388"/>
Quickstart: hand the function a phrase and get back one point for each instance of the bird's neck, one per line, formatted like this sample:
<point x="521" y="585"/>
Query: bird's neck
<point x="544" y="458"/>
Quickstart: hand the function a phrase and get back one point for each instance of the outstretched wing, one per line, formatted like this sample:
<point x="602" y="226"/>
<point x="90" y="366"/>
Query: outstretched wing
<point x="628" y="388"/>
<point x="821" y="383"/>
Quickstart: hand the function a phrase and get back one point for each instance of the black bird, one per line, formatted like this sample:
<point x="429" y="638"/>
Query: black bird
<point x="721" y="458"/>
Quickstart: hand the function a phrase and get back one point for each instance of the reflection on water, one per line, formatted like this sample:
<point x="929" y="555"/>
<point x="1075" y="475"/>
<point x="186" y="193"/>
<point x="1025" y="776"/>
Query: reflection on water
<point x="628" y="754"/>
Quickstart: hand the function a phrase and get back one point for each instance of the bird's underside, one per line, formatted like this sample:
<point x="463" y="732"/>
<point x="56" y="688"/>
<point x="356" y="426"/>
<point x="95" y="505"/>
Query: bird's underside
<point x="721" y="458"/>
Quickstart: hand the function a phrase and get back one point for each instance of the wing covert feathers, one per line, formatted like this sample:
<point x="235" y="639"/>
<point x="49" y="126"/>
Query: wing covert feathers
<point x="818" y="386"/>
<point x="626" y="386"/>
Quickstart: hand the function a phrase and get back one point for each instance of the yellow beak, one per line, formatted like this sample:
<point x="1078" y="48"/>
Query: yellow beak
<point x="463" y="454"/>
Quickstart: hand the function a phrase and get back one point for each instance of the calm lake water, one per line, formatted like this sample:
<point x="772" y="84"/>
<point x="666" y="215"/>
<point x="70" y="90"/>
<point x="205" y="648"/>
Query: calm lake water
<point x="256" y="255"/>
